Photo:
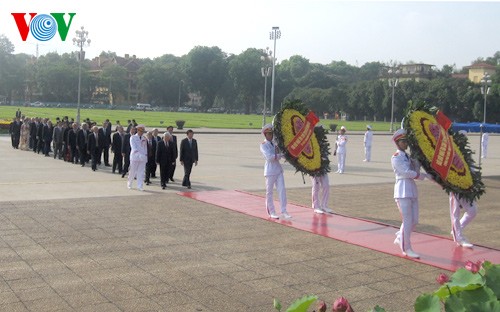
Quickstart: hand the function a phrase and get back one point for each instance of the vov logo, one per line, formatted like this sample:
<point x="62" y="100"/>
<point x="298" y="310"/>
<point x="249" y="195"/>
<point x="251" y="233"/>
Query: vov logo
<point x="43" y="27"/>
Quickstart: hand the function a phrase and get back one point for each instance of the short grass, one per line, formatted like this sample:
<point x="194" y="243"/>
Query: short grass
<point x="163" y="119"/>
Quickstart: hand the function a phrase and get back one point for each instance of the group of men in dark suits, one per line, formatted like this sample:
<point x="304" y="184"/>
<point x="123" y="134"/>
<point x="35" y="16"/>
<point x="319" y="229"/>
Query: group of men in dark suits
<point x="89" y="143"/>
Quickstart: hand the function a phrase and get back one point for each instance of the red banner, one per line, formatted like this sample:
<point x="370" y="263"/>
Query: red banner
<point x="444" y="153"/>
<point x="303" y="136"/>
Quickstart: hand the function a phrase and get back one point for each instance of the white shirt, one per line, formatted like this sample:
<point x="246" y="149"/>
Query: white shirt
<point x="406" y="170"/>
<point x="138" y="148"/>
<point x="341" y="143"/>
<point x="272" y="166"/>
<point x="368" y="138"/>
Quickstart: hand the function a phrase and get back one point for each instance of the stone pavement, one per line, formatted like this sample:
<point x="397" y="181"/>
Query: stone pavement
<point x="76" y="240"/>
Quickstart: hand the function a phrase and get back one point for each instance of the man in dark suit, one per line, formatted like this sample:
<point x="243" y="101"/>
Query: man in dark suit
<point x="81" y="143"/>
<point x="173" y="140"/>
<point x="116" y="148"/>
<point x="39" y="136"/>
<point x="47" y="132"/>
<point x="95" y="142"/>
<point x="15" y="132"/>
<point x="105" y="131"/>
<point x="126" y="150"/>
<point x="73" y="150"/>
<point x="151" y="164"/>
<point x="165" y="158"/>
<point x="188" y="156"/>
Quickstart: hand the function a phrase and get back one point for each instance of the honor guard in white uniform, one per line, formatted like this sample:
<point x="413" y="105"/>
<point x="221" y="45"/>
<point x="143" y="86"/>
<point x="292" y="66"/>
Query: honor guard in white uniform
<point x="458" y="224"/>
<point x="273" y="173"/>
<point x="138" y="157"/>
<point x="367" y="141"/>
<point x="340" y="148"/>
<point x="407" y="170"/>
<point x="484" y="144"/>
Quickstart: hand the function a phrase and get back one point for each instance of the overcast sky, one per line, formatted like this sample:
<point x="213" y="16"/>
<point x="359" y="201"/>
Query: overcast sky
<point x="322" y="31"/>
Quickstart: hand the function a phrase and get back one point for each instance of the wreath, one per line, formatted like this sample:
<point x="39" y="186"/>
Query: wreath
<point x="443" y="153"/>
<point x="304" y="145"/>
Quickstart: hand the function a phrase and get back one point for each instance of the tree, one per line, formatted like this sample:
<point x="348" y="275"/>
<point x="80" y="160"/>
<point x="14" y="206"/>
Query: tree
<point x="245" y="72"/>
<point x="206" y="70"/>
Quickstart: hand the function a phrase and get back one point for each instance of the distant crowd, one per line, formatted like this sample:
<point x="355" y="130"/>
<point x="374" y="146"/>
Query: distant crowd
<point x="89" y="144"/>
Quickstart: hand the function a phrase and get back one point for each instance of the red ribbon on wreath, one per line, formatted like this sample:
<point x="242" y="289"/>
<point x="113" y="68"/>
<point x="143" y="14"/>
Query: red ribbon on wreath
<point x="444" y="153"/>
<point x="301" y="139"/>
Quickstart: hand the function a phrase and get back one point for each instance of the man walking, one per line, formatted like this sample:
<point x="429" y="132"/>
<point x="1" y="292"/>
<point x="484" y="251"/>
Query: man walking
<point x="188" y="156"/>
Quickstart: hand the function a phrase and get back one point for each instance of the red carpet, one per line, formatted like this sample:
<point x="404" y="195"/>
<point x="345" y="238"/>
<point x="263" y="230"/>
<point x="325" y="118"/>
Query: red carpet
<point x="434" y="250"/>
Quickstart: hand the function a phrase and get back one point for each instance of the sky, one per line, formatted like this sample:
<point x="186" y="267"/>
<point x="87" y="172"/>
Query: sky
<point x="322" y="31"/>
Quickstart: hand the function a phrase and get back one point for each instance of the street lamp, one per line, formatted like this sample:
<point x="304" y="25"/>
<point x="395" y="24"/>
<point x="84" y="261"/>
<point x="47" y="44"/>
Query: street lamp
<point x="485" y="90"/>
<point x="265" y="71"/>
<point x="273" y="35"/>
<point x="393" y="83"/>
<point x="80" y="41"/>
<point x="179" y="102"/>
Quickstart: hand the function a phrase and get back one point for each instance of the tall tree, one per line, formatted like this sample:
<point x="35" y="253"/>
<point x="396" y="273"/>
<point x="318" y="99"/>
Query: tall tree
<point x="206" y="70"/>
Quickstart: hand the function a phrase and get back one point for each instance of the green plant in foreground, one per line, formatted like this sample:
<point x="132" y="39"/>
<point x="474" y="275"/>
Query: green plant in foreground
<point x="476" y="287"/>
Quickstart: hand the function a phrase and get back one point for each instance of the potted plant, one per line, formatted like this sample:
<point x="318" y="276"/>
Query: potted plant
<point x="180" y="124"/>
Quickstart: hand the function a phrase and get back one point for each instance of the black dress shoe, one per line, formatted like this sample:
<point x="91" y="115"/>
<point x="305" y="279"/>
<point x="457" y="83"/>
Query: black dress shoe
<point x="172" y="180"/>
<point x="148" y="183"/>
<point x="123" y="175"/>
<point x="189" y="186"/>
<point x="163" y="187"/>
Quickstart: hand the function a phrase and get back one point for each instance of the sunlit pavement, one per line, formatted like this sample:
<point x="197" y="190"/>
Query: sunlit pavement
<point x="74" y="239"/>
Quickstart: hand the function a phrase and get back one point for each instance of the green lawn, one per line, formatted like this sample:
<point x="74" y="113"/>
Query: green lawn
<point x="163" y="119"/>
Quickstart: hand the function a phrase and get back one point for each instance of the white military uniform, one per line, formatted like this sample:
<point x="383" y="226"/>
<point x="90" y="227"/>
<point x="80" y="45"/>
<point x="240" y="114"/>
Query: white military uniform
<point x="368" y="144"/>
<point x="274" y="175"/>
<point x="484" y="144"/>
<point x="406" y="195"/>
<point x="320" y="183"/>
<point x="341" y="151"/>
<point x="138" y="159"/>
<point x="457" y="223"/>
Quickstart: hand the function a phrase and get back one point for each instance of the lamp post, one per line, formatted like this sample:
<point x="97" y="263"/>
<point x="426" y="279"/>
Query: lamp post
<point x="179" y="101"/>
<point x="273" y="35"/>
<point x="265" y="71"/>
<point x="80" y="41"/>
<point x="485" y="90"/>
<point x="393" y="83"/>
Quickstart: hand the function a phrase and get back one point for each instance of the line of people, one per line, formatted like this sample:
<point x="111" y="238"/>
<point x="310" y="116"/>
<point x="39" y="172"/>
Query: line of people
<point x="135" y="152"/>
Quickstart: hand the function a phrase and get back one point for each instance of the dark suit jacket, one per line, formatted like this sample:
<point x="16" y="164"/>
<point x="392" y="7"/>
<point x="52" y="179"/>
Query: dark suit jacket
<point x="164" y="155"/>
<point x="72" y="138"/>
<point x="176" y="150"/>
<point x="106" y="138"/>
<point x="94" y="144"/>
<point x="81" y="140"/>
<point x="188" y="154"/>
<point x="116" y="145"/>
<point x="126" y="144"/>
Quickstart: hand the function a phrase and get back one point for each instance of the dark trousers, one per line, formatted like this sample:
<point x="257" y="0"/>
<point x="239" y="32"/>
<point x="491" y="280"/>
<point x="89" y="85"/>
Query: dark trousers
<point x="126" y="163"/>
<point x="165" y="173"/>
<point x="58" y="150"/>
<point x="105" y="154"/>
<point x="187" y="173"/>
<point x="94" y="155"/>
<point x="83" y="156"/>
<point x="46" y="147"/>
<point x="73" y="154"/>
<point x="118" y="162"/>
<point x="171" y="174"/>
<point x="150" y="165"/>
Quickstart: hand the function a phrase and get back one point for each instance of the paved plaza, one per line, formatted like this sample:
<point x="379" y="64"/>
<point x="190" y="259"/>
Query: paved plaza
<point x="76" y="240"/>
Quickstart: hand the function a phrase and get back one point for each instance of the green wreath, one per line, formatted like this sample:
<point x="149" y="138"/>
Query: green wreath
<point x="463" y="176"/>
<point x="313" y="159"/>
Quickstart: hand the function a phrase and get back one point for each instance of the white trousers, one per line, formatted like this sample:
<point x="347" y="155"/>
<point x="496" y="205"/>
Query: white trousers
<point x="279" y="181"/>
<point x="368" y="152"/>
<point x="457" y="223"/>
<point x="320" y="184"/>
<point x="484" y="151"/>
<point x="341" y="161"/>
<point x="136" y="170"/>
<point x="408" y="208"/>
